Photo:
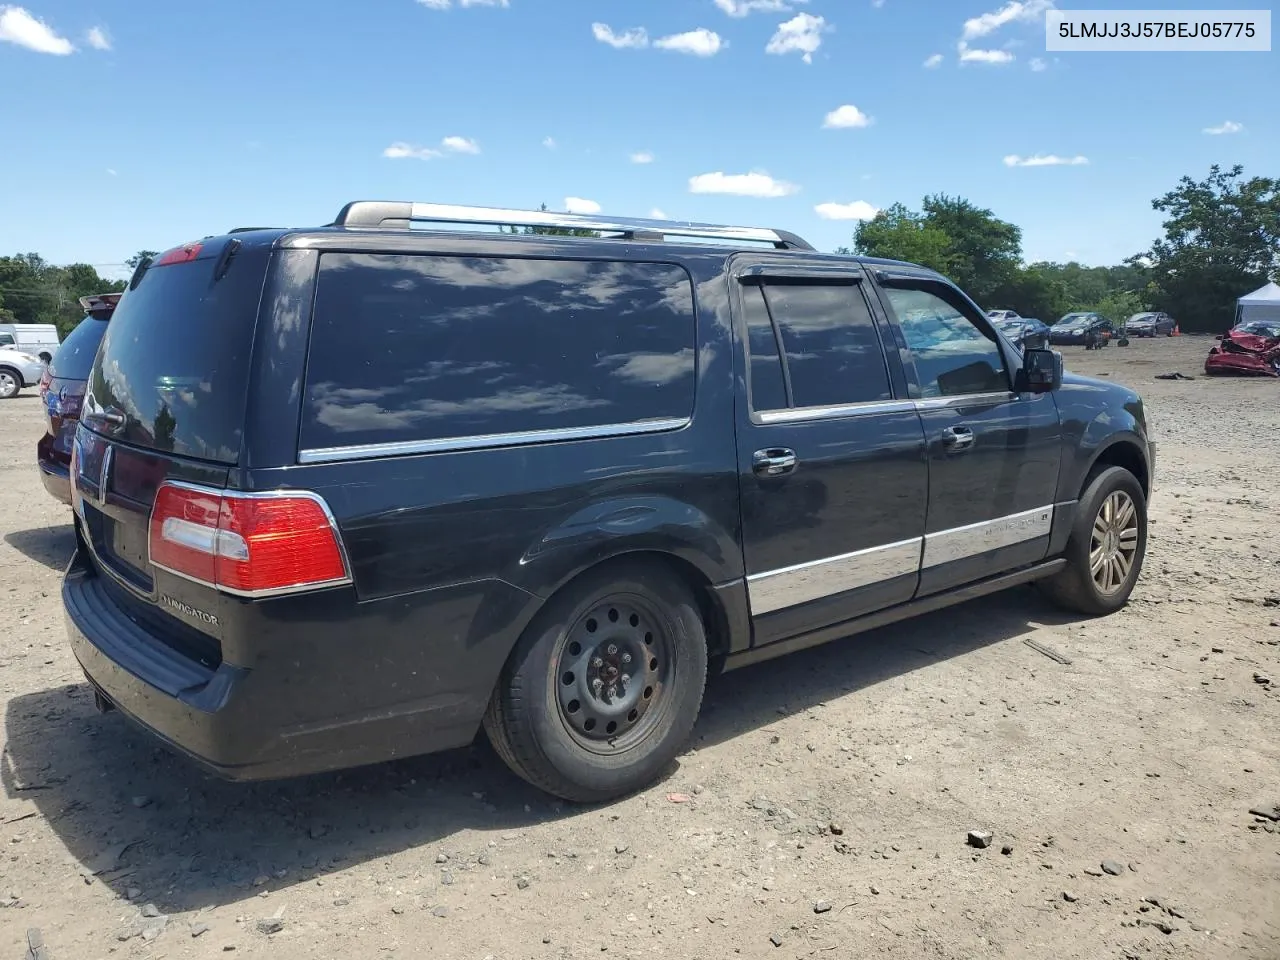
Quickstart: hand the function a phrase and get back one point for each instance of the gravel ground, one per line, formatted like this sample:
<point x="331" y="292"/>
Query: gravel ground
<point x="821" y="810"/>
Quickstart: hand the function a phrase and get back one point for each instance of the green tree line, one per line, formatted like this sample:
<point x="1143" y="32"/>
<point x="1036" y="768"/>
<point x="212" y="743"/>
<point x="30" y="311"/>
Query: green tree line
<point x="1221" y="240"/>
<point x="32" y="290"/>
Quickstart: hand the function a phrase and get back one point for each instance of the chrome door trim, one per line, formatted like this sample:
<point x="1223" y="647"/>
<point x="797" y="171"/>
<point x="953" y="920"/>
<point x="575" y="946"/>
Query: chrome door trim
<point x="961" y="543"/>
<point x="817" y="579"/>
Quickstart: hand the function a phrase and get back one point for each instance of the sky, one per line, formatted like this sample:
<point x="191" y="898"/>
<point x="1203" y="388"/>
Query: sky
<point x="132" y="124"/>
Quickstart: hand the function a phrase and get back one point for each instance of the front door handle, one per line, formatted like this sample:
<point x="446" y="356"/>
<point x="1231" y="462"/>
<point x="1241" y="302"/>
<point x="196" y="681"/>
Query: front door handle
<point x="957" y="439"/>
<point x="774" y="462"/>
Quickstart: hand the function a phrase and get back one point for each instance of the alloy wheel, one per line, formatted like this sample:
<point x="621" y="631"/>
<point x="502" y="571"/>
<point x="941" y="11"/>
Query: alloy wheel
<point x="1114" y="543"/>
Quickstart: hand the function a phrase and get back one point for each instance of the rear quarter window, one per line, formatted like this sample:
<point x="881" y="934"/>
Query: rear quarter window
<point x="411" y="349"/>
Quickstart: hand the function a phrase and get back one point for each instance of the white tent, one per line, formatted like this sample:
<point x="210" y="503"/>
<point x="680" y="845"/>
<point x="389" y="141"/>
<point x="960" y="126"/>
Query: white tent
<point x="1263" y="304"/>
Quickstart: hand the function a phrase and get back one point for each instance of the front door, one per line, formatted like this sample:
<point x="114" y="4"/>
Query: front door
<point x="994" y="455"/>
<point x="831" y="459"/>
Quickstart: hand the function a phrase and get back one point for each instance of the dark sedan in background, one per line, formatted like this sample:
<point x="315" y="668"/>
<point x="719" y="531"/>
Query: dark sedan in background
<point x="1025" y="332"/>
<point x="62" y="389"/>
<point x="1089" y="329"/>
<point x="1149" y="325"/>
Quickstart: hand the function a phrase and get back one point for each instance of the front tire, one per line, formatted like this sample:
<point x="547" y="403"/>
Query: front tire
<point x="10" y="383"/>
<point x="1107" y="546"/>
<point x="604" y="686"/>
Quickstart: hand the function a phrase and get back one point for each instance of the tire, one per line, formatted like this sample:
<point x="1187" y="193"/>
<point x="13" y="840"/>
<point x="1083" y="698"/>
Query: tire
<point x="1076" y="588"/>
<point x="10" y="383"/>
<point x="546" y="698"/>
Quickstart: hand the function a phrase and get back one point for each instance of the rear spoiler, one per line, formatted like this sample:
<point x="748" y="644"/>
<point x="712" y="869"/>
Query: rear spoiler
<point x="100" y="302"/>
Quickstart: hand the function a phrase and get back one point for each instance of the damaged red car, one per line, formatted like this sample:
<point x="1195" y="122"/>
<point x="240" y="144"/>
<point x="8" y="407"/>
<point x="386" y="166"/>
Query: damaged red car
<point x="1241" y="353"/>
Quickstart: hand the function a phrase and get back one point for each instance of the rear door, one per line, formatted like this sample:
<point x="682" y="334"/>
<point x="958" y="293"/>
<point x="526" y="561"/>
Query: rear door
<point x="994" y="455"/>
<point x="166" y="401"/>
<point x="831" y="462"/>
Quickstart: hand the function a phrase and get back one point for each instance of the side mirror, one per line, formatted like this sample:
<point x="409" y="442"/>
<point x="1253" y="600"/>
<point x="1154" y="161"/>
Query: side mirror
<point x="1041" y="372"/>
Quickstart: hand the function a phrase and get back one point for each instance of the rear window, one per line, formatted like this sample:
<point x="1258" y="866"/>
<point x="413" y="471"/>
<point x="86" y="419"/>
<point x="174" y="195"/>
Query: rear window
<point x="408" y="349"/>
<point x="74" y="358"/>
<point x="175" y="359"/>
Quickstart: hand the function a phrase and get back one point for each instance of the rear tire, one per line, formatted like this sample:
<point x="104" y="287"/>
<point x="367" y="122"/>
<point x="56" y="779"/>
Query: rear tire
<point x="604" y="686"/>
<point x="1107" y="546"/>
<point x="10" y="383"/>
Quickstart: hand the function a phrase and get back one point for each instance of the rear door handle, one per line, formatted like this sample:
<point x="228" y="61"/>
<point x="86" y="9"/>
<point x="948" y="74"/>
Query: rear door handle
<point x="774" y="462"/>
<point x="957" y="439"/>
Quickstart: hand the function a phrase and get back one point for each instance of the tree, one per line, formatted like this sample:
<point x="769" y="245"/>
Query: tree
<point x="137" y="258"/>
<point x="1222" y="240"/>
<point x="553" y="231"/>
<point x="897" y="233"/>
<point x="985" y="252"/>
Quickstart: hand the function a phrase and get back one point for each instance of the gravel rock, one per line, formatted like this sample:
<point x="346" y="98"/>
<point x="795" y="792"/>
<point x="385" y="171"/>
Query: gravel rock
<point x="776" y="939"/>
<point x="443" y="912"/>
<point x="979" y="838"/>
<point x="1007" y="850"/>
<point x="199" y="929"/>
<point x="1270" y="810"/>
<point x="1112" y="867"/>
<point x="446" y="878"/>
<point x="875" y="891"/>
<point x="1068" y="896"/>
<point x="1262" y="679"/>
<point x="621" y="848"/>
<point x="836" y="829"/>
<point x="271" y="925"/>
<point x="822" y="906"/>
<point x="150" y="910"/>
<point x="522" y="883"/>
<point x="442" y="858"/>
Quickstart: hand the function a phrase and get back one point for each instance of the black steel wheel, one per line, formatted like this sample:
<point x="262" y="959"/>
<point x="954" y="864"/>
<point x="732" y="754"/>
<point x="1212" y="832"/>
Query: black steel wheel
<point x="604" y="686"/>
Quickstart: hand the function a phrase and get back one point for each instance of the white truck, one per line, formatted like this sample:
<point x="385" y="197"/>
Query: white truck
<point x="38" y="339"/>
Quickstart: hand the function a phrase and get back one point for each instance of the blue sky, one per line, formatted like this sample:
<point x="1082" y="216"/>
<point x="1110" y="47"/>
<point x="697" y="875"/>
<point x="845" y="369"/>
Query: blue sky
<point x="140" y="123"/>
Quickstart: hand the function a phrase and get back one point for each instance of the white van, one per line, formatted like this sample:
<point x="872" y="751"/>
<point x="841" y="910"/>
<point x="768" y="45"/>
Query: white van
<point x="38" y="339"/>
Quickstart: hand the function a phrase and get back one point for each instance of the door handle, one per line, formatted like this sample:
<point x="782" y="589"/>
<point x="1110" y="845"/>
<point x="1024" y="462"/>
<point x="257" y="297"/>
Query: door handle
<point x="957" y="439"/>
<point x="774" y="462"/>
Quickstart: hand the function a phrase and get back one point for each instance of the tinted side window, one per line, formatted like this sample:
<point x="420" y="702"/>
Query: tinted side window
<point x="768" y="390"/>
<point x="953" y="357"/>
<point x="832" y="348"/>
<point x="413" y="348"/>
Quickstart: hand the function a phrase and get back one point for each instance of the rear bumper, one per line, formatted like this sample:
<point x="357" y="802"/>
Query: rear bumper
<point x="239" y="723"/>
<point x="55" y="470"/>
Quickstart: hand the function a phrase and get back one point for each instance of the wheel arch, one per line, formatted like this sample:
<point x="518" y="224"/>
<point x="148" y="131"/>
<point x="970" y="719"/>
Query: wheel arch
<point x="1126" y="453"/>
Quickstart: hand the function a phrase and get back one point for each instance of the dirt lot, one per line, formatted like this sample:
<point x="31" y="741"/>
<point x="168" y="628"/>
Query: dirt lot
<point x="822" y="809"/>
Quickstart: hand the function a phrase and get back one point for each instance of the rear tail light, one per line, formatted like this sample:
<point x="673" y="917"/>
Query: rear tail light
<point x="184" y="254"/>
<point x="247" y="544"/>
<point x="44" y="382"/>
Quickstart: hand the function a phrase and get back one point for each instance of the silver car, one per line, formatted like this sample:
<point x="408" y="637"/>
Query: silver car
<point x="18" y="370"/>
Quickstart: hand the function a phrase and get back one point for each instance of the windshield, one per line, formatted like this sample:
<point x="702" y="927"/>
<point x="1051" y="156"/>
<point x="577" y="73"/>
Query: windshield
<point x="1072" y="319"/>
<point x="74" y="358"/>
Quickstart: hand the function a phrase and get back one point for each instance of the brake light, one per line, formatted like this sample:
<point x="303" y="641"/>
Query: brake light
<point x="247" y="544"/>
<point x="183" y="254"/>
<point x="44" y="382"/>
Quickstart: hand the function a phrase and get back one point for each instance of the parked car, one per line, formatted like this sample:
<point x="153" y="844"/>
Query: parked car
<point x="38" y="339"/>
<point x="62" y="389"/>
<point x="1081" y="328"/>
<point x="1002" y="316"/>
<point x="1025" y="332"/>
<point x="18" y="369"/>
<point x="553" y="483"/>
<point x="1149" y="325"/>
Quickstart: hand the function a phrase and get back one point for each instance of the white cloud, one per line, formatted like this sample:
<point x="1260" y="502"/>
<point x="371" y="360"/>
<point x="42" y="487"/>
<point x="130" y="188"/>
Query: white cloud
<point x="857" y="210"/>
<point x="1044" y="160"/>
<point x="549" y="143"/>
<point x="984" y="56"/>
<point x="446" y="4"/>
<point x="634" y="38"/>
<point x="19" y="27"/>
<point x="845" y="117"/>
<point x="406" y="151"/>
<point x="1039" y="65"/>
<point x="1229" y="126"/>
<point x="460" y="145"/>
<point x="801" y="34"/>
<point x="98" y="39"/>
<point x="741" y="185"/>
<point x="644" y="156"/>
<point x="111" y="173"/>
<point x="579" y="205"/>
<point x="1024" y="11"/>
<point x="933" y="62"/>
<point x="657" y="214"/>
<point x="744" y="8"/>
<point x="699" y="43"/>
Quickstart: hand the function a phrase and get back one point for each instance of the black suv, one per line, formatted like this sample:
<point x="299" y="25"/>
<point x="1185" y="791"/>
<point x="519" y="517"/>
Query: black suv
<point x="351" y="493"/>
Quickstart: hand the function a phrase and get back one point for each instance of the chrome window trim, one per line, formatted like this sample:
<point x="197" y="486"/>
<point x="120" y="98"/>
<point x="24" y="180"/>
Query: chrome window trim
<point x="790" y="586"/>
<point x="869" y="407"/>
<point x="975" y="539"/>
<point x="490" y="441"/>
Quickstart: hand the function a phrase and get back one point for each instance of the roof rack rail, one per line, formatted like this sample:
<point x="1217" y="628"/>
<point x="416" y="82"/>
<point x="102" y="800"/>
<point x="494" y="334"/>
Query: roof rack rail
<point x="401" y="215"/>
